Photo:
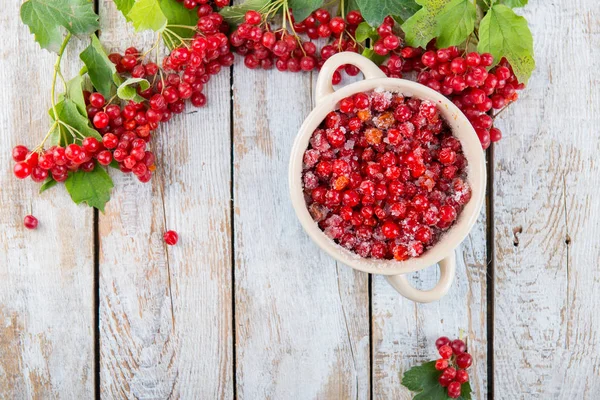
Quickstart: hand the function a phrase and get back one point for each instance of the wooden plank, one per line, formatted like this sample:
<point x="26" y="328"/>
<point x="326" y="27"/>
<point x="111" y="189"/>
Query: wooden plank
<point x="46" y="275"/>
<point x="404" y="332"/>
<point x="166" y="312"/>
<point x="302" y="324"/>
<point x="546" y="215"/>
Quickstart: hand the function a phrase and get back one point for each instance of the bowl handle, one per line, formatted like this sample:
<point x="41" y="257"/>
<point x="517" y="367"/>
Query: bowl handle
<point x="367" y="67"/>
<point x="447" y="272"/>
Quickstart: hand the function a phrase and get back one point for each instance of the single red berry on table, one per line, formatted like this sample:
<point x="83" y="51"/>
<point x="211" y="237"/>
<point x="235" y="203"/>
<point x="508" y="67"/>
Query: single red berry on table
<point x="30" y="222"/>
<point x="171" y="238"/>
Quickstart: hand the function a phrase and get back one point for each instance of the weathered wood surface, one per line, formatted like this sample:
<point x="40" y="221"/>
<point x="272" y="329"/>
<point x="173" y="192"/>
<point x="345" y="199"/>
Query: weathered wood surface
<point x="547" y="210"/>
<point x="302" y="323"/>
<point x="46" y="276"/>
<point x="246" y="305"/>
<point x="166" y="312"/>
<point x="404" y="332"/>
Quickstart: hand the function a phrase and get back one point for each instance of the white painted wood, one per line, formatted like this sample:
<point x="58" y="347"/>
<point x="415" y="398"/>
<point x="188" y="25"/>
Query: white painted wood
<point x="166" y="312"/>
<point x="46" y="275"/>
<point x="302" y="324"/>
<point x="547" y="324"/>
<point x="404" y="332"/>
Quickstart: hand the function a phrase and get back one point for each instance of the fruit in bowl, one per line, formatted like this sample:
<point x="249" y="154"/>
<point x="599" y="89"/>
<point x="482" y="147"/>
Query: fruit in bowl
<point x="359" y="124"/>
<point x="383" y="175"/>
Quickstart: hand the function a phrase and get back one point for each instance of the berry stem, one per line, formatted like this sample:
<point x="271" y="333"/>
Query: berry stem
<point x="63" y="46"/>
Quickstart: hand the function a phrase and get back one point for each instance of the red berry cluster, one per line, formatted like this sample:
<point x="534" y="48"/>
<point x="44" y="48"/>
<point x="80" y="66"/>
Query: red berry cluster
<point x="383" y="176"/>
<point x="453" y="364"/>
<point x="463" y="78"/>
<point x="287" y="51"/>
<point x="203" y="4"/>
<point x="126" y="129"/>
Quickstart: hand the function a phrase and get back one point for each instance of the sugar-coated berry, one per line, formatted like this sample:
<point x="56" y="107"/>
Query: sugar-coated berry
<point x="171" y="238"/>
<point x="30" y="222"/>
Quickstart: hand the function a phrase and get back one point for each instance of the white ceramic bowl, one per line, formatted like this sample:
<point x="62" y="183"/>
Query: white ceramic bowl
<point x="443" y="251"/>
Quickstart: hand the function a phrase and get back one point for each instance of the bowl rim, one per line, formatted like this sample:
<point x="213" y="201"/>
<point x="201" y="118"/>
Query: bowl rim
<point x="476" y="177"/>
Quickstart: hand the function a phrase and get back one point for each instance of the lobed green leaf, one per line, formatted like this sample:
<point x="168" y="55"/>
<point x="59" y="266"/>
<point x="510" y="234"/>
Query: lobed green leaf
<point x="100" y="69"/>
<point x="303" y="8"/>
<point x="127" y="90"/>
<point x="514" y="3"/>
<point x="506" y="34"/>
<point x="49" y="19"/>
<point x="147" y="14"/>
<point x="124" y="6"/>
<point x="420" y="28"/>
<point x="69" y="114"/>
<point x="375" y="11"/>
<point x="92" y="188"/>
<point x="455" y="22"/>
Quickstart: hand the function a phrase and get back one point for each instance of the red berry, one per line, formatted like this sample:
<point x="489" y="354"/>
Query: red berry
<point x="462" y="376"/>
<point x="458" y="346"/>
<point x="96" y="100"/>
<point x="252" y="17"/>
<point x="441" y="364"/>
<point x="171" y="238"/>
<point x="22" y="170"/>
<point x="19" y="153"/>
<point x="101" y="120"/>
<point x="464" y="360"/>
<point x="30" y="222"/>
<point x="445" y="351"/>
<point x="454" y="390"/>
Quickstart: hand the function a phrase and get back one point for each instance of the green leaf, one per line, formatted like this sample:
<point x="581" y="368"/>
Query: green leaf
<point x="48" y="20"/>
<point x="147" y="14"/>
<point x="48" y="183"/>
<point x="235" y="14"/>
<point x="350" y="5"/>
<point x="506" y="34"/>
<point x="371" y="55"/>
<point x="423" y="379"/>
<point x="127" y="91"/>
<point x="114" y="164"/>
<point x="364" y="32"/>
<point x="124" y="6"/>
<point x="92" y="188"/>
<point x="69" y="114"/>
<point x="420" y="28"/>
<point x="303" y="8"/>
<point x="455" y="22"/>
<point x="177" y="14"/>
<point x="75" y="94"/>
<point x="100" y="69"/>
<point x="375" y="11"/>
<point x="465" y="391"/>
<point x="514" y="3"/>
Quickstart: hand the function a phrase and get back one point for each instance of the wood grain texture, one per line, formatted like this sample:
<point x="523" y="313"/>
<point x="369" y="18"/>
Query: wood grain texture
<point x="302" y="324"/>
<point x="166" y="312"/>
<point x="46" y="276"/>
<point x="404" y="332"/>
<point x="547" y="329"/>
